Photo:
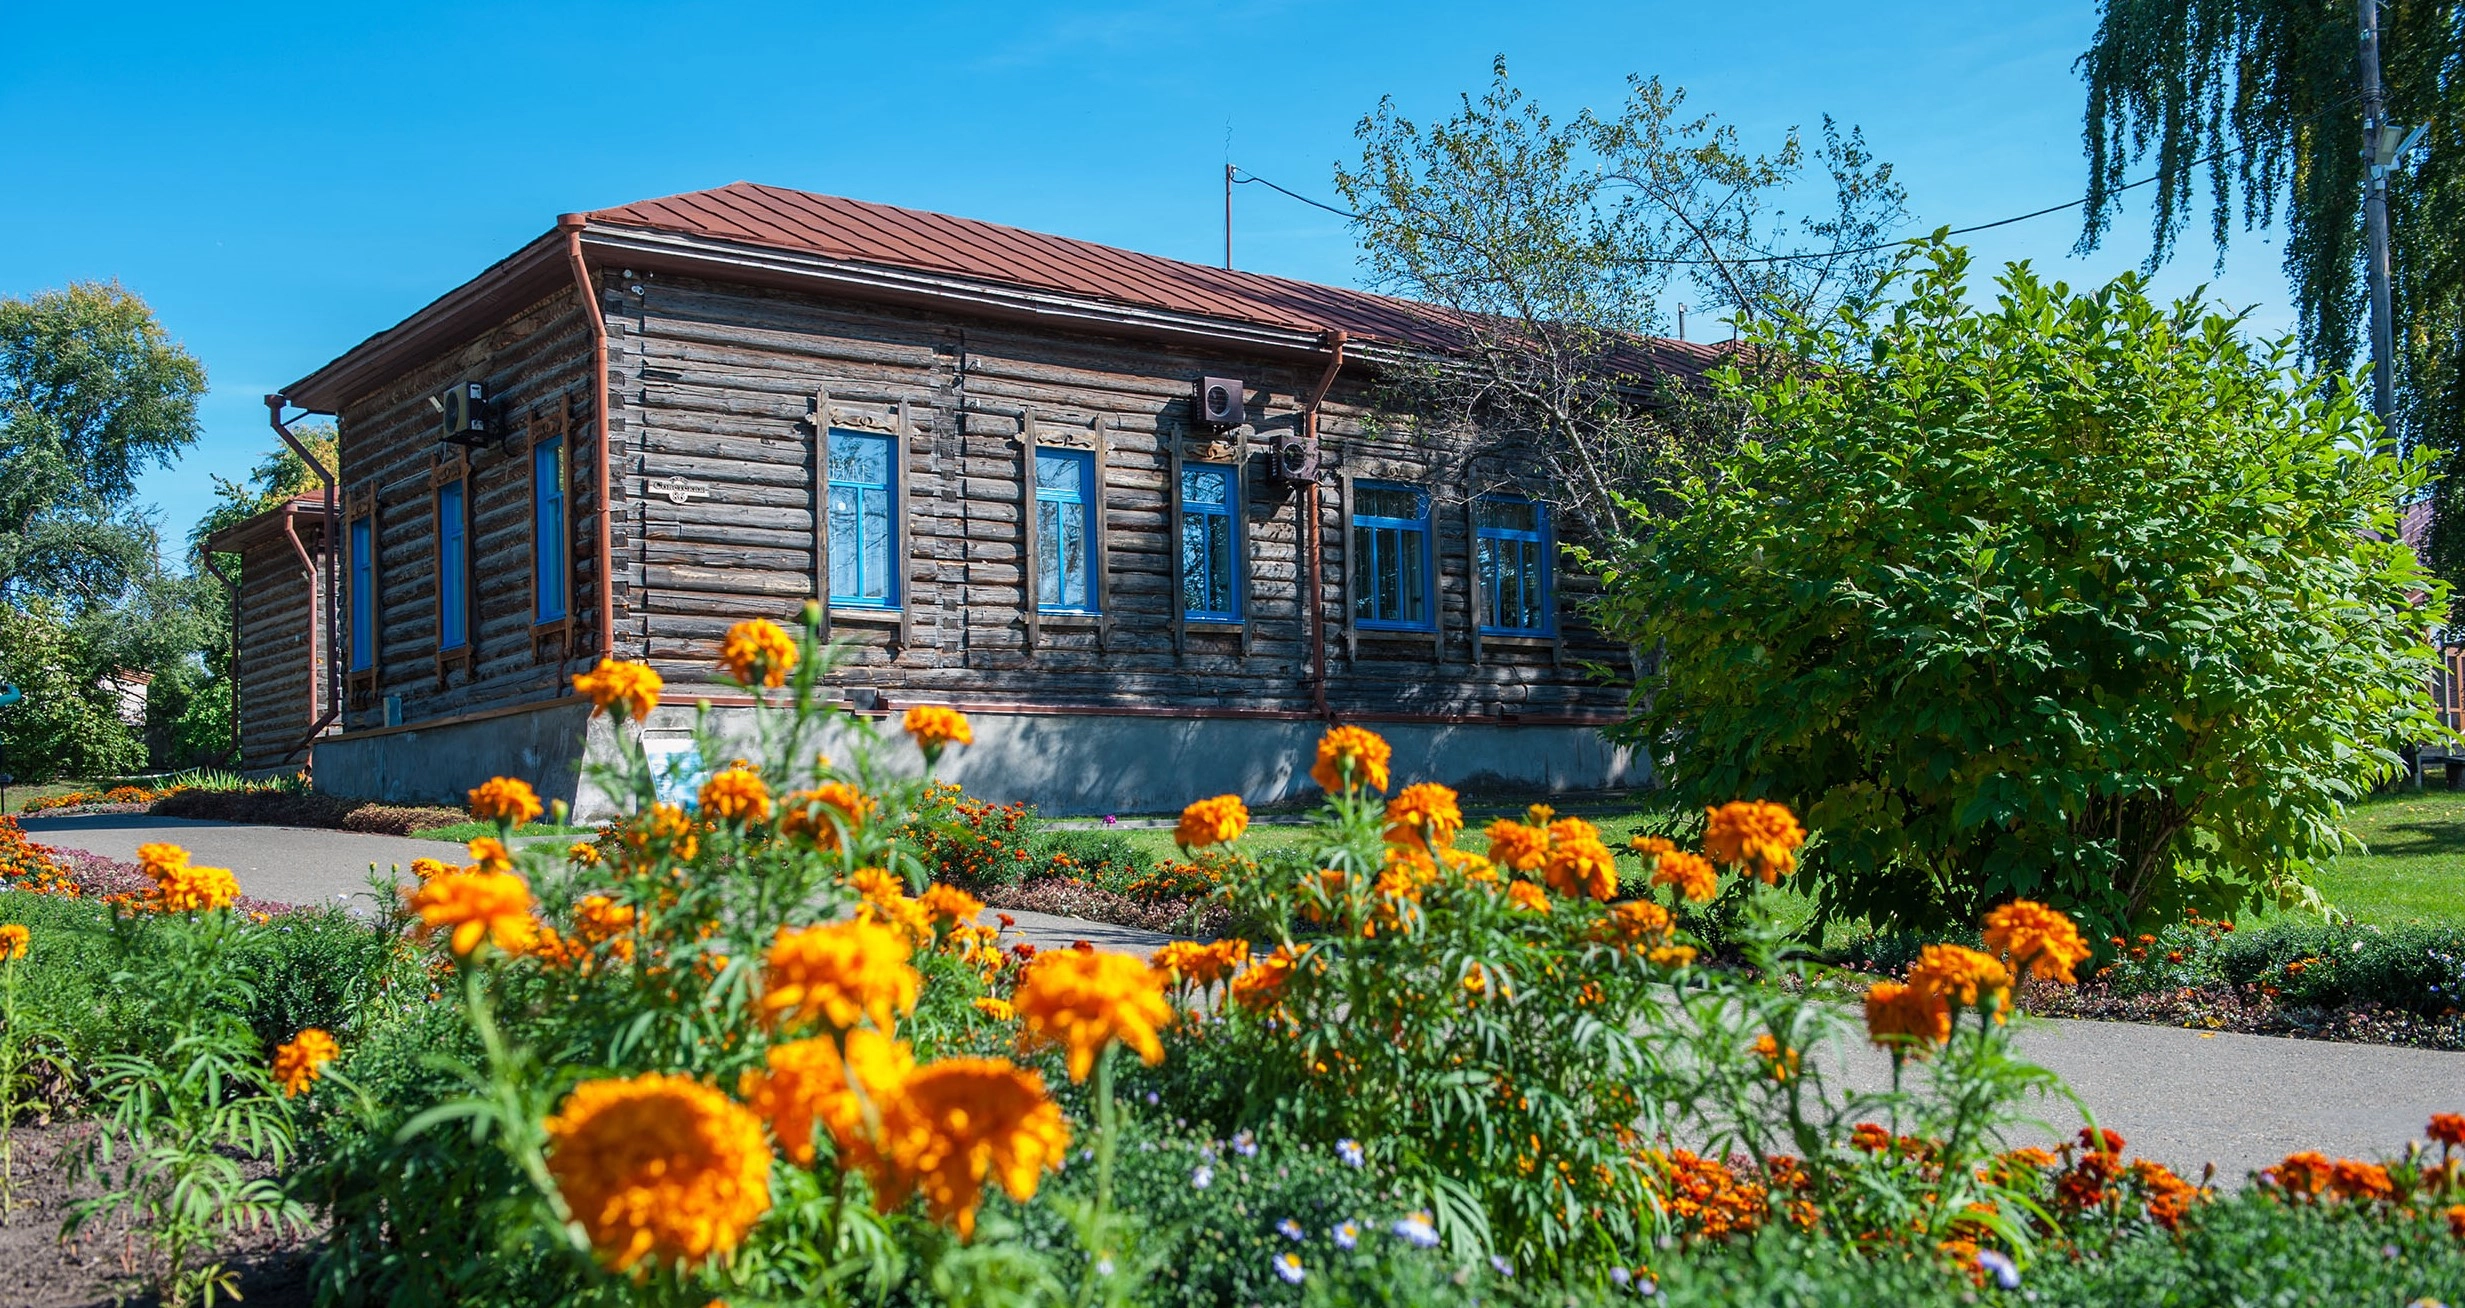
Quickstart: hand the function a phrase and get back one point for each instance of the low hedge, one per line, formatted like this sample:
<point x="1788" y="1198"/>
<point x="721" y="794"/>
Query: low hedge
<point x="281" y="808"/>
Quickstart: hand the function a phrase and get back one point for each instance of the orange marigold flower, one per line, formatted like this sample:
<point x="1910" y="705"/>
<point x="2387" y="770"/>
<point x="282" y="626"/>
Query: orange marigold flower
<point x="1779" y="1062"/>
<point x="2448" y="1129"/>
<point x="935" y="728"/>
<point x="1084" y="1000"/>
<point x="2359" y="1181"/>
<point x="1755" y="834"/>
<point x="1355" y="751"/>
<point x="2456" y="1220"/>
<point x="820" y="814"/>
<point x="1424" y="810"/>
<point x="1906" y="1018"/>
<point x="1637" y="923"/>
<point x="1652" y="846"/>
<point x="736" y="794"/>
<point x="1190" y="963"/>
<point x="1000" y="1010"/>
<point x="599" y="919"/>
<point x="950" y="904"/>
<point x="839" y="973"/>
<point x="805" y="1083"/>
<point x="488" y="854"/>
<point x="1963" y="976"/>
<point x="1260" y="986"/>
<point x="1216" y="821"/>
<point x="961" y="1121"/>
<point x="1670" y="955"/>
<point x="659" y="1166"/>
<point x="477" y="906"/>
<point x="2035" y="939"/>
<point x="632" y="687"/>
<point x="13" y="941"/>
<point x="180" y="887"/>
<point x="509" y="800"/>
<point x="582" y="852"/>
<point x="1579" y="864"/>
<point x="298" y="1064"/>
<point x="1527" y="896"/>
<point x="1517" y="847"/>
<point x="426" y="869"/>
<point x="759" y="652"/>
<point x="1692" y="874"/>
<point x="2302" y="1174"/>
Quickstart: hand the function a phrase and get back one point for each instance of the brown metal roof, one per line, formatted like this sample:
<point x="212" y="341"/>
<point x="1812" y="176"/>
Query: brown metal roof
<point x="266" y="524"/>
<point x="863" y="232"/>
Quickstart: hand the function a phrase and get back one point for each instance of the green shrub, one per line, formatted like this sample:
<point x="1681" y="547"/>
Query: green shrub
<point x="2417" y="968"/>
<point x="2076" y="597"/>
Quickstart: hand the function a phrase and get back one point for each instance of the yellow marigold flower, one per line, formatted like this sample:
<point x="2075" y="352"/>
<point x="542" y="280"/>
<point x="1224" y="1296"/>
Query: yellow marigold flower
<point x="1471" y="866"/>
<point x="736" y="794"/>
<point x="1961" y="976"/>
<point x="1579" y="864"/>
<point x="659" y="1166"/>
<point x="180" y="887"/>
<point x="14" y="940"/>
<point x="1216" y="821"/>
<point x="1692" y="874"/>
<point x="298" y="1064"/>
<point x="839" y="973"/>
<point x="1085" y="1000"/>
<point x="582" y="852"/>
<point x="1906" y="1018"/>
<point x="488" y="854"/>
<point x="1516" y="846"/>
<point x="1779" y="1063"/>
<point x="1527" y="896"/>
<point x="758" y="651"/>
<point x="804" y="1083"/>
<point x="950" y="904"/>
<point x="1755" y="834"/>
<point x="960" y="1121"/>
<point x="1361" y="751"/>
<point x="936" y="728"/>
<point x="1260" y="986"/>
<point x="1670" y="955"/>
<point x="1424" y="809"/>
<point x="428" y="869"/>
<point x="509" y="800"/>
<point x="491" y="906"/>
<point x="1000" y="1010"/>
<point x="2030" y="937"/>
<point x="819" y="814"/>
<point x="618" y="684"/>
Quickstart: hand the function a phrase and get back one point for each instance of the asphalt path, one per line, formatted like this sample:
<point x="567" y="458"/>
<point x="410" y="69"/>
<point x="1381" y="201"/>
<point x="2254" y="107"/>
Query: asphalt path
<point x="2185" y="1098"/>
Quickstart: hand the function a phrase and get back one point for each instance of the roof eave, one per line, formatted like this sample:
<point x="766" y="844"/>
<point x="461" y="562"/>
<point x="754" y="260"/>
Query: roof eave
<point x="508" y="285"/>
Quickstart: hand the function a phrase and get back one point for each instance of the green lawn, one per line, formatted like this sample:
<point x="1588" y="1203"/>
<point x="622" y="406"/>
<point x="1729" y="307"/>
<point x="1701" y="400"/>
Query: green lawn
<point x="2414" y="866"/>
<point x="20" y="795"/>
<point x="466" y="831"/>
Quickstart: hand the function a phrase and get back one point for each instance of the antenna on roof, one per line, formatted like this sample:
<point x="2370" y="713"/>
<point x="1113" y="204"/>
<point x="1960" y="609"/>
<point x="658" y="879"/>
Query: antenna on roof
<point x="1228" y="181"/>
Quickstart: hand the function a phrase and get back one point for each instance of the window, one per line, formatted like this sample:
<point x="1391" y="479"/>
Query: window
<point x="1390" y="557"/>
<point x="862" y="535"/>
<point x="453" y="569"/>
<point x="363" y="597"/>
<point x="548" y="530"/>
<point x="1511" y="554"/>
<point x="1066" y="495"/>
<point x="1210" y="544"/>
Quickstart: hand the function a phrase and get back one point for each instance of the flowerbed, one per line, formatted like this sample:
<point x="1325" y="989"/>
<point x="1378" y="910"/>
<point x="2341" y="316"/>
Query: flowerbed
<point x="752" y="1052"/>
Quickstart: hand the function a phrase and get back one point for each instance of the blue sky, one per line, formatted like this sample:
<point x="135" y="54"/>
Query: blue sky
<point x="280" y="181"/>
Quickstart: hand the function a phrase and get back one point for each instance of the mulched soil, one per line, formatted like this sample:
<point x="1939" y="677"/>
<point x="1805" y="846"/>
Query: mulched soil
<point x="1078" y="899"/>
<point x="289" y="809"/>
<point x="2220" y="1007"/>
<point x="106" y="1263"/>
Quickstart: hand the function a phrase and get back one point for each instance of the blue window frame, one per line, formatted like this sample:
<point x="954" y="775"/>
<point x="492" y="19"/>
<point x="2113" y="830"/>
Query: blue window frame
<point x="1392" y="572"/>
<point x="548" y="573"/>
<point x="863" y="535"/>
<point x="1210" y="544"/>
<point x="1066" y="496"/>
<point x="453" y="569"/>
<point x="1511" y="551"/>
<point x="363" y="597"/>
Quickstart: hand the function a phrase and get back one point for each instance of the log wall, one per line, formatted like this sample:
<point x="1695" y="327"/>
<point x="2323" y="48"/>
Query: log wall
<point x="279" y="658"/>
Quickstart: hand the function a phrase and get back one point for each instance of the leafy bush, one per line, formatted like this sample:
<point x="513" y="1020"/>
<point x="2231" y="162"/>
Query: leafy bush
<point x="2416" y="967"/>
<point x="2071" y="596"/>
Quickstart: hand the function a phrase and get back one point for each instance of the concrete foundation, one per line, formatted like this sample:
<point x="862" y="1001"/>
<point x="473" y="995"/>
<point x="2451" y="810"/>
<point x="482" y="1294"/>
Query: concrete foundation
<point x="1064" y="764"/>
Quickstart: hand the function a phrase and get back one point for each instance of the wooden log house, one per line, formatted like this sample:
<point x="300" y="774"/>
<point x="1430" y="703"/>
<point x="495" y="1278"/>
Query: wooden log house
<point x="987" y="448"/>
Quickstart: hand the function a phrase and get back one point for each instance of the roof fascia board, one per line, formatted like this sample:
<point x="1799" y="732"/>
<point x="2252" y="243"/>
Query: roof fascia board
<point x="442" y="324"/>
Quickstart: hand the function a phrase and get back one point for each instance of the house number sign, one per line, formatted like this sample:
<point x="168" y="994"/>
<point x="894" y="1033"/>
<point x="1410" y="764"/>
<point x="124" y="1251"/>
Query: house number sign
<point x="680" y="490"/>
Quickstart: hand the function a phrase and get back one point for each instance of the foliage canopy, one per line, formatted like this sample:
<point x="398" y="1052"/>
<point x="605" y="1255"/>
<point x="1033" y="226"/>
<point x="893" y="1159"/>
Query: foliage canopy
<point x="2071" y="596"/>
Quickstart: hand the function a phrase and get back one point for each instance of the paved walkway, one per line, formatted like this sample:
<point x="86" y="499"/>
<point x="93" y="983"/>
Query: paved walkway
<point x="2184" y="1098"/>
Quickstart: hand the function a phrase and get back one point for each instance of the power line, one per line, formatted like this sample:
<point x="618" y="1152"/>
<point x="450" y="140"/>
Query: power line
<point x="1247" y="177"/>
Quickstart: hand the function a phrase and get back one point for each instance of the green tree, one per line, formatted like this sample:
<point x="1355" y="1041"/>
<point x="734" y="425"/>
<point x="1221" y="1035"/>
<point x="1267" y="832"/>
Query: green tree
<point x="1553" y="245"/>
<point x="2259" y="102"/>
<point x="278" y="476"/>
<point x="2077" y="597"/>
<point x="92" y="391"/>
<point x="67" y="724"/>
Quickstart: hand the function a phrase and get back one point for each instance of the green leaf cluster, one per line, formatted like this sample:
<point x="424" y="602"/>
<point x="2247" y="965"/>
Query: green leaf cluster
<point x="2070" y="595"/>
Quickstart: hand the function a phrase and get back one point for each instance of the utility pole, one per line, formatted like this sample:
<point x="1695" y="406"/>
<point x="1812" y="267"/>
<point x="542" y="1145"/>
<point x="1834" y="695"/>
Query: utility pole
<point x="2379" y="156"/>
<point x="1228" y="180"/>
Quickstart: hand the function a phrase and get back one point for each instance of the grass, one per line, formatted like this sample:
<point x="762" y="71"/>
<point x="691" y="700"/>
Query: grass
<point x="20" y="796"/>
<point x="461" y="832"/>
<point x="2412" y="868"/>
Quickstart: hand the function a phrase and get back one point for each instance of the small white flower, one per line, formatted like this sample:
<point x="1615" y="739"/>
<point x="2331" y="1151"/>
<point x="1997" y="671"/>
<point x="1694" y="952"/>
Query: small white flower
<point x="1288" y="1266"/>
<point x="1292" y="1230"/>
<point x="2006" y="1272"/>
<point x="1202" y="1178"/>
<point x="1620" y="1277"/>
<point x="1500" y="1265"/>
<point x="1415" y="1230"/>
<point x="1346" y="1235"/>
<point x="1350" y="1152"/>
<point x="1104" y="1266"/>
<point x="1245" y="1145"/>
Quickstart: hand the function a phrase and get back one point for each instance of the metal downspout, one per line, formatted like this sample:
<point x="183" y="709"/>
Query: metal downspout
<point x="333" y="583"/>
<point x="604" y="582"/>
<point x="1318" y="596"/>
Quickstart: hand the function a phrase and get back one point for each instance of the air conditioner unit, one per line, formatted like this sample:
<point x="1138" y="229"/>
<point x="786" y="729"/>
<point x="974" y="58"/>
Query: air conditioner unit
<point x="465" y="408"/>
<point x="1293" y="458"/>
<point x="1219" y="401"/>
